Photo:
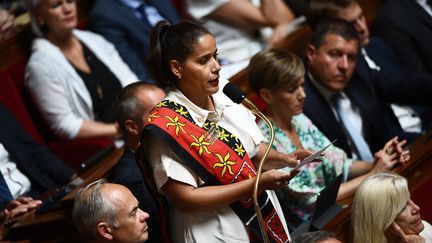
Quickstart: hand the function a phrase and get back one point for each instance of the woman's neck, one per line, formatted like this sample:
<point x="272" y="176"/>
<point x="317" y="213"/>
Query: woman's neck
<point x="64" y="41"/>
<point x="203" y="101"/>
<point x="281" y="120"/>
<point x="284" y="123"/>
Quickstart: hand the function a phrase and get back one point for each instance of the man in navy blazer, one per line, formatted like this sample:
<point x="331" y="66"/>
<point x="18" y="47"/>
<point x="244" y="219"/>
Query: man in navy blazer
<point x="44" y="170"/>
<point x="128" y="30"/>
<point x="377" y="56"/>
<point x="332" y="57"/>
<point x="406" y="25"/>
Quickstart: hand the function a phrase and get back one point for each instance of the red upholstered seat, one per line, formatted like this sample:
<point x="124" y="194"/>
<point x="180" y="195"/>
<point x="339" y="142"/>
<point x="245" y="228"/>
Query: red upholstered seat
<point x="11" y="99"/>
<point x="423" y="199"/>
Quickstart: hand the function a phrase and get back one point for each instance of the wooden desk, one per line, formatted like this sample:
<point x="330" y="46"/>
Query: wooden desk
<point x="101" y="170"/>
<point x="47" y="227"/>
<point x="417" y="171"/>
<point x="57" y="226"/>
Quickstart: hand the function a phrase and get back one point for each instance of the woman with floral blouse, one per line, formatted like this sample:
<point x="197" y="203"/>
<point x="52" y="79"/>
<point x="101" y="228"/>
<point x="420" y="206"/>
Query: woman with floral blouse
<point x="277" y="77"/>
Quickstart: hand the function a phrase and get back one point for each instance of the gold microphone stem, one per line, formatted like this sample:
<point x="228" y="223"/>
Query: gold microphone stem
<point x="260" y="219"/>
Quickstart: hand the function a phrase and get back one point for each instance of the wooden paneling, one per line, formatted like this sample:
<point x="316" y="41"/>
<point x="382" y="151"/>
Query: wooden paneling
<point x="370" y="8"/>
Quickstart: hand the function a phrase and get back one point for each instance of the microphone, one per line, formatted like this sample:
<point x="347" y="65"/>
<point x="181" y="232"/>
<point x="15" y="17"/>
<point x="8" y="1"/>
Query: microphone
<point x="234" y="93"/>
<point x="237" y="96"/>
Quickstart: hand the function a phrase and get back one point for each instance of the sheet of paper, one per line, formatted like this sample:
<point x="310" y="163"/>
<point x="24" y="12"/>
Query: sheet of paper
<point x="312" y="157"/>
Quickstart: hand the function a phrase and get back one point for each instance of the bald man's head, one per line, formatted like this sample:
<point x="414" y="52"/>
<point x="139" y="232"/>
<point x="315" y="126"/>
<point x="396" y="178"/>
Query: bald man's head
<point x="109" y="212"/>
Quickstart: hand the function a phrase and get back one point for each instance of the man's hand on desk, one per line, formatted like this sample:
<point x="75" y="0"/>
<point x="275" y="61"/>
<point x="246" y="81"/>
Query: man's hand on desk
<point x="391" y="154"/>
<point x="18" y="208"/>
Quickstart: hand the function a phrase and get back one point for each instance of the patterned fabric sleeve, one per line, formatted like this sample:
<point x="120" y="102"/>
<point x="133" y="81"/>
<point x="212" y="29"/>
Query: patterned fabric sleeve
<point x="335" y="159"/>
<point x="301" y="193"/>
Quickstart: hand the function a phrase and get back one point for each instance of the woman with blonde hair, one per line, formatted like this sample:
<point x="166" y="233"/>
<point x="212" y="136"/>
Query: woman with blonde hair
<point x="383" y="212"/>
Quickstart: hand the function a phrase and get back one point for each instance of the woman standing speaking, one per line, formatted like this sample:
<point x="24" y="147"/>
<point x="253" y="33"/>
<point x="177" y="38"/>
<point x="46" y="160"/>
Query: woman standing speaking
<point x="199" y="145"/>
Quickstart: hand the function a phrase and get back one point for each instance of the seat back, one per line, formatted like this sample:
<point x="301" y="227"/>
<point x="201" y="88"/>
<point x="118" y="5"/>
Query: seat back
<point x="10" y="98"/>
<point x="295" y="42"/>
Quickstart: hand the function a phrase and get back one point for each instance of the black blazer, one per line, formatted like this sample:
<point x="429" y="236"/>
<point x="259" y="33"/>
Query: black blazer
<point x="392" y="74"/>
<point x="372" y="110"/>
<point x="382" y="55"/>
<point x="44" y="169"/>
<point x="407" y="28"/>
<point x="369" y="90"/>
<point x="119" y="25"/>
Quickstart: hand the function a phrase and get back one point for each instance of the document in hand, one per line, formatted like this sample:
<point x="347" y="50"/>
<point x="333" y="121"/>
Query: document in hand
<point x="313" y="157"/>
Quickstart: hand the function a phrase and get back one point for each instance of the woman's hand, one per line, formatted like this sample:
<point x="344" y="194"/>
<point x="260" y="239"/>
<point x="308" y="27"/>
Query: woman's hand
<point x="395" y="234"/>
<point x="187" y="198"/>
<point x="294" y="158"/>
<point x="273" y="179"/>
<point x="277" y="160"/>
<point x="391" y="154"/>
<point x="7" y="23"/>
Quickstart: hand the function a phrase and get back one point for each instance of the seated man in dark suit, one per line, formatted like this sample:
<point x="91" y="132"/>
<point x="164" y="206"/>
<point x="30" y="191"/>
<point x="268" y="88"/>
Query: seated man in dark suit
<point x="375" y="54"/>
<point x="27" y="168"/>
<point x="406" y="26"/>
<point x="134" y="104"/>
<point x="127" y="24"/>
<point x="345" y="105"/>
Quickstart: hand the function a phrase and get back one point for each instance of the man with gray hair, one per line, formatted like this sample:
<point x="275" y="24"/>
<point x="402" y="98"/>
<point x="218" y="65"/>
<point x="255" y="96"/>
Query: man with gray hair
<point x="134" y="103"/>
<point x="106" y="212"/>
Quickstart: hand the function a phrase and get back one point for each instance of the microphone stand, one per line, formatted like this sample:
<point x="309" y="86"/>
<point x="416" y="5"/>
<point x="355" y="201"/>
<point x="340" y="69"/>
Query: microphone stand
<point x="260" y="219"/>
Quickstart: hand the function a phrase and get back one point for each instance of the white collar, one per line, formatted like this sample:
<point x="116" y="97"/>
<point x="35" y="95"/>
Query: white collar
<point x="425" y="6"/>
<point x="198" y="114"/>
<point x="134" y="4"/>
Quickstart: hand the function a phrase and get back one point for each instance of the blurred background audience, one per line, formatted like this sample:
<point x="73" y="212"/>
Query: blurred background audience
<point x="236" y="24"/>
<point x="406" y="26"/>
<point x="73" y="76"/>
<point x="127" y="24"/>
